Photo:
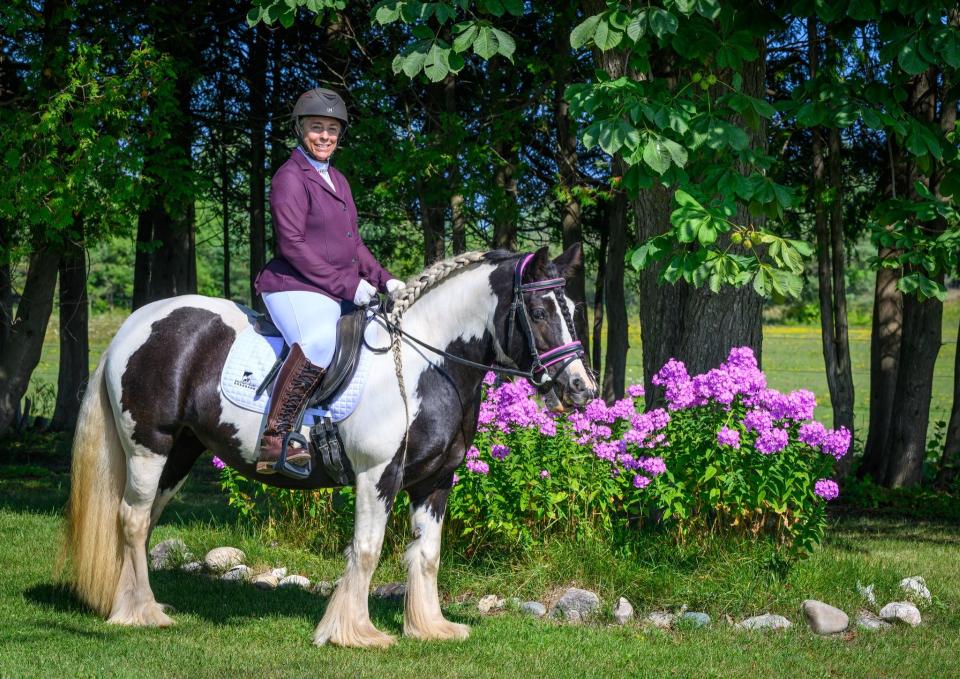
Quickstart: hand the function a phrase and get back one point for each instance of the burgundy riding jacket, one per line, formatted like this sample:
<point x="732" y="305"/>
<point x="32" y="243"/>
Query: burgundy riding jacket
<point x="318" y="245"/>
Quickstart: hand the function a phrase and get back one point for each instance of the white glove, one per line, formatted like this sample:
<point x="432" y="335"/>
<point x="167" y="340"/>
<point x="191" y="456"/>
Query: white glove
<point x="365" y="292"/>
<point x="393" y="285"/>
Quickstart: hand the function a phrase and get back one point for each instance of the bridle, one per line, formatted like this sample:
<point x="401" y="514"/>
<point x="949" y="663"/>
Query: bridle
<point x="564" y="354"/>
<point x="538" y="374"/>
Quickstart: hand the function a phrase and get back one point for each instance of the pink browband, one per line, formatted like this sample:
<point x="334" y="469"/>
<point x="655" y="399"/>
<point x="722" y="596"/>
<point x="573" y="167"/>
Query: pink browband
<point x="565" y="349"/>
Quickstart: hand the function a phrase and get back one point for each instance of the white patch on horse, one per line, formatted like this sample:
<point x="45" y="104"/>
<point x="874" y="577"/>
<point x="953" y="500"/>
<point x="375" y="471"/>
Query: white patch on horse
<point x="576" y="367"/>
<point x="461" y="308"/>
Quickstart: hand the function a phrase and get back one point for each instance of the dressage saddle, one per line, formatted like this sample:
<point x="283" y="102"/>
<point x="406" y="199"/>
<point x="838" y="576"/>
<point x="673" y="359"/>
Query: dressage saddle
<point x="327" y="445"/>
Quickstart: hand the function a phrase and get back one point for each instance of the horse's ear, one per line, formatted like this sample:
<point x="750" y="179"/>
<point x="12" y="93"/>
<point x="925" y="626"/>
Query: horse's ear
<point x="570" y="261"/>
<point x="537" y="268"/>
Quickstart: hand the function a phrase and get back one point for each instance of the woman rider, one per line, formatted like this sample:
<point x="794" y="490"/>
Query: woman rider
<point x="320" y="262"/>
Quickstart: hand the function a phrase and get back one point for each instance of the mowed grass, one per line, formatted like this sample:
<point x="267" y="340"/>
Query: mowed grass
<point x="226" y="629"/>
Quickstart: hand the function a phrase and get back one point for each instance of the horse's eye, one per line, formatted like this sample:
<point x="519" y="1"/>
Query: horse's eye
<point x="538" y="314"/>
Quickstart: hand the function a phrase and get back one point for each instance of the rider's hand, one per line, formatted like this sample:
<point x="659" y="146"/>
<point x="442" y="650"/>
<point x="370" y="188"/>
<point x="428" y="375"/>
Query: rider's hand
<point x="394" y="285"/>
<point x="365" y="292"/>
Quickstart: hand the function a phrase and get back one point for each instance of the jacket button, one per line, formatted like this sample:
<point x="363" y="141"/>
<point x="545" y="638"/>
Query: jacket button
<point x="344" y="207"/>
<point x="349" y="234"/>
<point x="354" y="260"/>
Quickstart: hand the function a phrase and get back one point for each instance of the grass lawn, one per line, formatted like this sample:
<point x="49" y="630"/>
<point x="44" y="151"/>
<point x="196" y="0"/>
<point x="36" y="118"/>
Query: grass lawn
<point x="226" y="629"/>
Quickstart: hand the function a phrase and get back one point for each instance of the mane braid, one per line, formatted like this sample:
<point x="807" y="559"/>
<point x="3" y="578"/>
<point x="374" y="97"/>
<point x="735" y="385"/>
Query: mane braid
<point x="430" y="277"/>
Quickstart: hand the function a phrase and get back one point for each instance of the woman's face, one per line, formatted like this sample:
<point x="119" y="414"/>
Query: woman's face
<point x="320" y="134"/>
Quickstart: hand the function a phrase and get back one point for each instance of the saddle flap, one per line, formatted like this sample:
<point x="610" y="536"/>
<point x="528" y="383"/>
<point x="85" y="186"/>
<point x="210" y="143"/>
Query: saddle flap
<point x="349" y="338"/>
<point x="264" y="326"/>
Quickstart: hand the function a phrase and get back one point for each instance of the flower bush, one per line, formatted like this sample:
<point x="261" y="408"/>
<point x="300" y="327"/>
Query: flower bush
<point x="725" y="455"/>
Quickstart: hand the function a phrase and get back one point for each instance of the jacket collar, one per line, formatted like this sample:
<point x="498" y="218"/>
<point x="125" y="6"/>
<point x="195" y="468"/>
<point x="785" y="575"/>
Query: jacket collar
<point x="314" y="176"/>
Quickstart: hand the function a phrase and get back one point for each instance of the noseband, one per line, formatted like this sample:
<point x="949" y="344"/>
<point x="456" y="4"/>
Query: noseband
<point x="564" y="354"/>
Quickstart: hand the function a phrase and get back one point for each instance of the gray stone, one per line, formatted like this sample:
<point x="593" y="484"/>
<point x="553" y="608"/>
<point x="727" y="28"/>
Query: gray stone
<point x="192" y="567"/>
<point x="394" y="591"/>
<point x="901" y="611"/>
<point x="661" y="619"/>
<point x="534" y="608"/>
<point x="868" y="620"/>
<point x="916" y="589"/>
<point x="623" y="611"/>
<point x="323" y="588"/>
<point x="695" y="619"/>
<point x="824" y="618"/>
<point x="765" y="621"/>
<point x="223" y="558"/>
<point x="279" y="573"/>
<point x="583" y="602"/>
<point x="867" y="593"/>
<point x="236" y="574"/>
<point x="169" y="553"/>
<point x="490" y="603"/>
<point x="265" y="581"/>
<point x="295" y="581"/>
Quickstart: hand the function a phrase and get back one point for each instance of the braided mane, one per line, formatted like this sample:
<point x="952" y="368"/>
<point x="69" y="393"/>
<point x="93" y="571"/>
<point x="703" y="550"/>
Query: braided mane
<point x="429" y="278"/>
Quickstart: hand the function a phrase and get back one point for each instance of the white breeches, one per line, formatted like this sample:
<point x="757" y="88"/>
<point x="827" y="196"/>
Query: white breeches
<point x="308" y="319"/>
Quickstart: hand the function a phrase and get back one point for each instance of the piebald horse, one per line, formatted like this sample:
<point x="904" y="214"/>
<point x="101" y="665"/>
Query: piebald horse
<point x="154" y="405"/>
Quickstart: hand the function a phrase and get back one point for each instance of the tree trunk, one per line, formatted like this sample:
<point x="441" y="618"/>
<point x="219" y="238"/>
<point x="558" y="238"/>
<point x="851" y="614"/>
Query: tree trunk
<point x="257" y="120"/>
<point x="885" y="336"/>
<point x="615" y="360"/>
<point x="458" y="220"/>
<point x="831" y="266"/>
<point x="74" y="370"/>
<point x="600" y="283"/>
<point x="26" y="336"/>
<point x="6" y="287"/>
<point x="432" y="190"/>
<point x="571" y="222"/>
<point x="505" y="208"/>
<point x="950" y="461"/>
<point x="223" y="160"/>
<point x="922" y="330"/>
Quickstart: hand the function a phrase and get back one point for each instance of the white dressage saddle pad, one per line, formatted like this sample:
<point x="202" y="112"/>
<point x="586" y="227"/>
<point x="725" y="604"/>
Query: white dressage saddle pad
<point x="250" y="359"/>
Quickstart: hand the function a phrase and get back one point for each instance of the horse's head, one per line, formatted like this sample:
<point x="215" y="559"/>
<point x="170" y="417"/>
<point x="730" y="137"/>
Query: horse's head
<point x="542" y="329"/>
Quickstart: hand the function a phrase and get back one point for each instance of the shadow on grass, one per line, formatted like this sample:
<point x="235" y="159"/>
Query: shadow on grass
<point x="224" y="603"/>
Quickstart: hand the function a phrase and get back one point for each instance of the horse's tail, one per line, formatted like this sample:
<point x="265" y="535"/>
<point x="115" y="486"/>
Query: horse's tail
<point x="92" y="542"/>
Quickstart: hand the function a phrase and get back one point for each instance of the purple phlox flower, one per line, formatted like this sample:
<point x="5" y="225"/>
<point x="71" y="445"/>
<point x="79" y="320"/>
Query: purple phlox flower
<point x="672" y="372"/>
<point x="728" y="437"/>
<point x="797" y="405"/>
<point x="218" y="463"/>
<point x="812" y="433"/>
<point x="478" y="467"/>
<point x="635" y="390"/>
<point x="827" y="489"/>
<point x="628" y="461"/>
<point x="772" y="440"/>
<point x="640" y="481"/>
<point x="677" y="384"/>
<point x="608" y="450"/>
<point x="548" y="427"/>
<point x="489" y="377"/>
<point x="836" y="442"/>
<point x="544" y="474"/>
<point x="622" y="410"/>
<point x="456" y="479"/>
<point x="499" y="451"/>
<point x="473" y="453"/>
<point x="654" y="466"/>
<point x="758" y="420"/>
<point x="597" y="411"/>
<point x="742" y="358"/>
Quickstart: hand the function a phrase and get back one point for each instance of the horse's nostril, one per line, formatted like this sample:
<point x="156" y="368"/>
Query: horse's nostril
<point x="577" y="384"/>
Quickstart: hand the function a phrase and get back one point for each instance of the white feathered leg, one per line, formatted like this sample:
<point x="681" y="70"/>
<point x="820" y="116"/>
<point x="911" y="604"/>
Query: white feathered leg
<point x="133" y="603"/>
<point x="422" y="617"/>
<point x="346" y="621"/>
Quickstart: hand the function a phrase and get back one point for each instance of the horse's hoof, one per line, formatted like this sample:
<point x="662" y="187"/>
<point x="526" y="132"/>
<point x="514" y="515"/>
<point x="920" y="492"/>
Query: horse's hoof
<point x="440" y="631"/>
<point x="368" y="637"/>
<point x="145" y="615"/>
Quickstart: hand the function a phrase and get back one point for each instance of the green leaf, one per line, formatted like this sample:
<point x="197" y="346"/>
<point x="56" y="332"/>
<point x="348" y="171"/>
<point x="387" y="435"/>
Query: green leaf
<point x="466" y="36"/>
<point x="584" y="32"/>
<point x="606" y="37"/>
<point x="638" y="25"/>
<point x="863" y="10"/>
<point x="505" y="43"/>
<point x="655" y="155"/>
<point x="486" y="44"/>
<point x="710" y="472"/>
<point x="388" y="12"/>
<point x="910" y="60"/>
<point x="662" y="22"/>
<point x="254" y="15"/>
<point x="435" y="65"/>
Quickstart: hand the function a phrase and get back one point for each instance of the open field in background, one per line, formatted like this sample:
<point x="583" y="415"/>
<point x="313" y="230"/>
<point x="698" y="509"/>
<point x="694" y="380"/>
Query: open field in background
<point x="792" y="359"/>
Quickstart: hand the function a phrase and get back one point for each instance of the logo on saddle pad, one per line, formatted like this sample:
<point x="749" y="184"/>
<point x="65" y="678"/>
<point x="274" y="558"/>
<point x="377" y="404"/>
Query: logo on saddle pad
<point x="246" y="381"/>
